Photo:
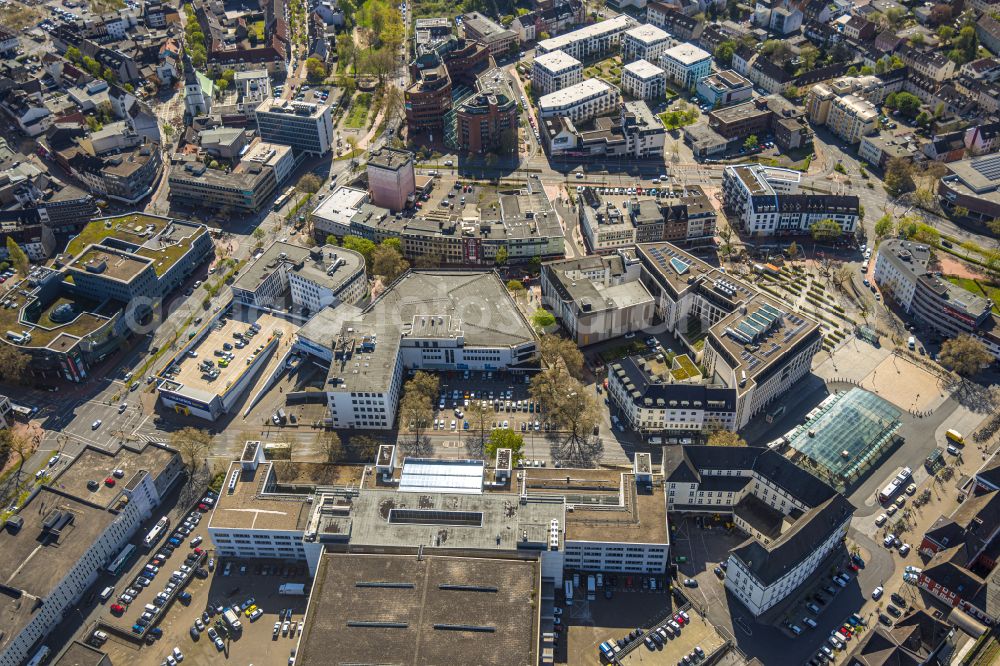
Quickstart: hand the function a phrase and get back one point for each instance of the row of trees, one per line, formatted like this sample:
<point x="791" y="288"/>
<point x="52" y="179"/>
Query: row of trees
<point x="385" y="259"/>
<point x="195" y="42"/>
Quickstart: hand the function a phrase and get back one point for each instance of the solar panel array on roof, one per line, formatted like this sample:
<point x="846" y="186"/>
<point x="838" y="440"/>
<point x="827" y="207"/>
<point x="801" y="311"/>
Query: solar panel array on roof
<point x="989" y="166"/>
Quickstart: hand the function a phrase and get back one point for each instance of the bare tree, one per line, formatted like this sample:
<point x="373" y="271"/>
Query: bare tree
<point x="191" y="443"/>
<point x="364" y="446"/>
<point x="330" y="445"/>
<point x="479" y="422"/>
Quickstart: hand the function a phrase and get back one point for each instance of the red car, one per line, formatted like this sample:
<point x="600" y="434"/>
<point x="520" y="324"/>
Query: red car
<point x="198" y="551"/>
<point x="117" y="609"/>
<point x="679" y="620"/>
<point x="854" y="567"/>
<point x="202" y="507"/>
<point x="109" y="482"/>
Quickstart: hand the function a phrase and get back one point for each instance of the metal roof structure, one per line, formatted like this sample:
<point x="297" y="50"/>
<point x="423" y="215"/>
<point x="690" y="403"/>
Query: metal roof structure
<point x="425" y="475"/>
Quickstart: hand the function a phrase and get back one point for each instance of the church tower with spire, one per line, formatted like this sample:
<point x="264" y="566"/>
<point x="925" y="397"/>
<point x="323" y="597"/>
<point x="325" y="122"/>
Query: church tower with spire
<point x="195" y="101"/>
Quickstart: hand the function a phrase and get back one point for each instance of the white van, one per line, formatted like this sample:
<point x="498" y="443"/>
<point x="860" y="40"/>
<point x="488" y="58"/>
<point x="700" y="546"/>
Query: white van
<point x="107" y="592"/>
<point x="795" y="629"/>
<point x="911" y="343"/>
<point x="150" y="608"/>
<point x="809" y="622"/>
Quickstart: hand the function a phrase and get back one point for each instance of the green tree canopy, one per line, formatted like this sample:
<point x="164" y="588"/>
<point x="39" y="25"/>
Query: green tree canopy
<point x="505" y="438"/>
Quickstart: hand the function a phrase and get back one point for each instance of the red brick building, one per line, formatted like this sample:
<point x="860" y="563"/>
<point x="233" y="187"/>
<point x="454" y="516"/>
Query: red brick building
<point x="426" y="101"/>
<point x="482" y="121"/>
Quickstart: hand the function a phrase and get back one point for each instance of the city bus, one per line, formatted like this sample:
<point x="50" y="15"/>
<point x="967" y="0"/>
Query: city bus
<point x="158" y="531"/>
<point x="118" y="564"/>
<point x="955" y="436"/>
<point x="283" y="198"/>
<point x="39" y="657"/>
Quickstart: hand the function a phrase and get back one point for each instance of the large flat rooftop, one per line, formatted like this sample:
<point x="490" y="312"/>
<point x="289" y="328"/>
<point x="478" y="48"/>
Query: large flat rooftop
<point x="164" y="240"/>
<point x="398" y="609"/>
<point x="313" y="264"/>
<point x="94" y="464"/>
<point x="607" y="506"/>
<point x="250" y="507"/>
<point x="34" y="559"/>
<point x="188" y="370"/>
<point x="110" y="263"/>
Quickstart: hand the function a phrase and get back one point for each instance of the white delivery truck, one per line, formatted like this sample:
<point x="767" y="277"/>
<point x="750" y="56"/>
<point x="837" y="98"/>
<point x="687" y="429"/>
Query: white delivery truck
<point x="591" y="588"/>
<point x="292" y="589"/>
<point x="232" y="620"/>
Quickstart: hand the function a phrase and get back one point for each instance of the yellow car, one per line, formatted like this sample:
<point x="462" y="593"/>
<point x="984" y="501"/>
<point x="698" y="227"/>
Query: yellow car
<point x="250" y="610"/>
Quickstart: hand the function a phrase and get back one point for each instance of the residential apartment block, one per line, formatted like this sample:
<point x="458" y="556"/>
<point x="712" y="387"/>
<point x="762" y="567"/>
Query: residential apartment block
<point x="644" y="80"/>
<point x="585" y="100"/>
<point x="847" y="115"/>
<point x="554" y="71"/>
<point x="592" y="41"/>
<point x="644" y="42"/>
<point x="766" y="202"/>
<point x="59" y="543"/>
<point x="724" y="88"/>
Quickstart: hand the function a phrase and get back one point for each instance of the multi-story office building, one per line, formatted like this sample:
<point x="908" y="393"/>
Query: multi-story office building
<point x="753" y="344"/>
<point x="644" y="80"/>
<point x="427" y="100"/>
<point x="58" y="544"/>
<point x="658" y="398"/>
<point x="724" y="88"/>
<point x="292" y="278"/>
<point x="249" y="188"/>
<point x="644" y="42"/>
<point x="498" y="39"/>
<point x="686" y="64"/>
<point x="391" y="178"/>
<point x="334" y="214"/>
<point x="305" y="126"/>
<point x="766" y="201"/>
<point x="487" y="122"/>
<point x="597" y="298"/>
<point x="585" y="100"/>
<point x="973" y="184"/>
<point x="618" y="520"/>
<point x="792" y="518"/>
<point x="898" y="266"/>
<point x="901" y="271"/>
<point x="643" y="131"/>
<point x="592" y="41"/>
<point x="411" y="326"/>
<point x="554" y="71"/>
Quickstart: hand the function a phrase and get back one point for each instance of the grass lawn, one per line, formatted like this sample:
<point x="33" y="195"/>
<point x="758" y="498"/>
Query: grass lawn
<point x="609" y="70"/>
<point x="257" y="27"/>
<point x="676" y="119"/>
<point x="357" y="117"/>
<point x="686" y="368"/>
<point x="610" y="355"/>
<point x="979" y="288"/>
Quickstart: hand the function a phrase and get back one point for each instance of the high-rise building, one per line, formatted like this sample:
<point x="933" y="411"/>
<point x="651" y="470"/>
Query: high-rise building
<point x="305" y="126"/>
<point x="391" y="179"/>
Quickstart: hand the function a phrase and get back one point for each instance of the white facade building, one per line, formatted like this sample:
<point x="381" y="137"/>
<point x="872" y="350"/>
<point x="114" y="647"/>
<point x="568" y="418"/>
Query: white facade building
<point x="554" y="71"/>
<point x="305" y="126"/>
<point x="58" y="544"/>
<point x="333" y="215"/>
<point x="590" y="41"/>
<point x="644" y="80"/>
<point x="767" y="202"/>
<point x="686" y="64"/>
<point x="793" y="518"/>
<point x="311" y="278"/>
<point x="898" y="266"/>
<point x="644" y="42"/>
<point x="588" y="99"/>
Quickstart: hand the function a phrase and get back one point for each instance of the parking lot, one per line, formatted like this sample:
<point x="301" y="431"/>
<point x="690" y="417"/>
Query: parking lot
<point x="503" y="395"/>
<point x="229" y="584"/>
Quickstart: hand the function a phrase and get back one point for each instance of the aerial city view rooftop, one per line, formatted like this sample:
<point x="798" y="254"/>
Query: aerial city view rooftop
<point x="527" y="332"/>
